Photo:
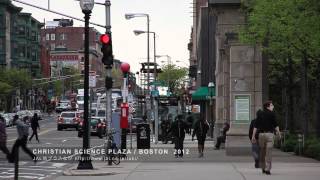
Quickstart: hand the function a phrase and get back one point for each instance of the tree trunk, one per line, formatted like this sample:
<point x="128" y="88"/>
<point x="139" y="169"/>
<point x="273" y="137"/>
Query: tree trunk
<point x="290" y="96"/>
<point x="317" y="91"/>
<point x="304" y="94"/>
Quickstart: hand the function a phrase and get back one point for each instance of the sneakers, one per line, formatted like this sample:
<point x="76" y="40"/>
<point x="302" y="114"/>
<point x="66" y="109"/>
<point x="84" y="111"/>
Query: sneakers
<point x="266" y="172"/>
<point x="200" y="155"/>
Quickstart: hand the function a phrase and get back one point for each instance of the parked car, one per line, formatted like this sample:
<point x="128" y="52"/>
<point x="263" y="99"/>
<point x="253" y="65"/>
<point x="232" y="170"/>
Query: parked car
<point x="7" y="118"/>
<point x="101" y="114"/>
<point x="69" y="119"/>
<point x="97" y="127"/>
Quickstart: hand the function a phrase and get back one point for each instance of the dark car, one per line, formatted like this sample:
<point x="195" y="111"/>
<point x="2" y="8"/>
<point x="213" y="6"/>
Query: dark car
<point x="97" y="127"/>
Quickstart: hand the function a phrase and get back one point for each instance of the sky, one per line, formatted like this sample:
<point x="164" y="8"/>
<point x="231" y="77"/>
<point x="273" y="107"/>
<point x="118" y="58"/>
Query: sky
<point x="170" y="19"/>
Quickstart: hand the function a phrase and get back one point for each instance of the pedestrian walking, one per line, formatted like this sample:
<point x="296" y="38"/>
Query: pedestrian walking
<point x="35" y="126"/>
<point x="23" y="132"/>
<point x="190" y="120"/>
<point x="255" y="146"/>
<point x="3" y="138"/>
<point x="266" y="125"/>
<point x="222" y="138"/>
<point x="178" y="129"/>
<point x="201" y="128"/>
<point x="165" y="125"/>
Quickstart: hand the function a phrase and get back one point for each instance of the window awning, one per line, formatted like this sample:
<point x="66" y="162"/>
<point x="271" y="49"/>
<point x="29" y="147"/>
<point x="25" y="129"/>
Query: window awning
<point x="203" y="93"/>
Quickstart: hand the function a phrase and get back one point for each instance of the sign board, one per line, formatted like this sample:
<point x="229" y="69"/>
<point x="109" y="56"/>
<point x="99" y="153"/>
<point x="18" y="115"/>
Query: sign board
<point x="92" y="79"/>
<point x="242" y="107"/>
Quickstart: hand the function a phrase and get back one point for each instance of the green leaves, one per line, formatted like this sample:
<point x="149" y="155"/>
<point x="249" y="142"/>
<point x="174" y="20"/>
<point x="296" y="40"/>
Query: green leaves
<point x="173" y="76"/>
<point x="288" y="26"/>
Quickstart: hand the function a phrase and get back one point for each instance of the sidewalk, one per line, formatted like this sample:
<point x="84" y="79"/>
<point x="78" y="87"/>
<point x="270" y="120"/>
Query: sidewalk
<point x="215" y="165"/>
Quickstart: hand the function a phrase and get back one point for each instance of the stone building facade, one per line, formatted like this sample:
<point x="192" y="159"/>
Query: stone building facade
<point x="19" y="39"/>
<point x="237" y="71"/>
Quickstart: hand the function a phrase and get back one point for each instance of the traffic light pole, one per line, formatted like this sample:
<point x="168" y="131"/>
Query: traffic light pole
<point x="108" y="72"/>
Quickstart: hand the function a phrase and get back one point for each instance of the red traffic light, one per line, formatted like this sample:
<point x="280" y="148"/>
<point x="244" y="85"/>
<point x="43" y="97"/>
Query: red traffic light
<point x="104" y="38"/>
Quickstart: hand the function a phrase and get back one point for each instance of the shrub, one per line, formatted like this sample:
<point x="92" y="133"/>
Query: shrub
<point x="313" y="151"/>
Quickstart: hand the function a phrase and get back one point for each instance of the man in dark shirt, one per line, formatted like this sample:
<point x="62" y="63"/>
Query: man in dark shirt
<point x="255" y="146"/>
<point x="266" y="125"/>
<point x="178" y="129"/>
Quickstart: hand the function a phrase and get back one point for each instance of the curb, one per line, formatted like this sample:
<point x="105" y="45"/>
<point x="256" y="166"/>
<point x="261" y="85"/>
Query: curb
<point x="94" y="172"/>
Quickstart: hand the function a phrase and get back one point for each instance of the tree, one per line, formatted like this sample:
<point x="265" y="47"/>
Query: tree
<point x="288" y="31"/>
<point x="173" y="77"/>
<point x="12" y="80"/>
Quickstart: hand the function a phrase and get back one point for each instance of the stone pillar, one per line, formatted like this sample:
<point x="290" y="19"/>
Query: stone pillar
<point x="245" y="96"/>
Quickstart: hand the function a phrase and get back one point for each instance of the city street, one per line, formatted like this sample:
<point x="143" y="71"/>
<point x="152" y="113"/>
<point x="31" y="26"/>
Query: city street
<point x="156" y="166"/>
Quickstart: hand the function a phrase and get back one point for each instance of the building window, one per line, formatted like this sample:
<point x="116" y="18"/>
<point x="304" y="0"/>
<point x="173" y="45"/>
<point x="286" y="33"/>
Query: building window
<point x="1" y="44"/>
<point x="28" y="52"/>
<point x="34" y="55"/>
<point x="63" y="36"/>
<point x="52" y="47"/>
<point x="2" y="20"/>
<point x="22" y="51"/>
<point x="33" y="36"/>
<point x="47" y="37"/>
<point x="21" y="30"/>
<point x="53" y="37"/>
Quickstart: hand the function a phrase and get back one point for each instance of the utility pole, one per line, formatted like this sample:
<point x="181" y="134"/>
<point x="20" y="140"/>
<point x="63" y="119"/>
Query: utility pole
<point x="108" y="70"/>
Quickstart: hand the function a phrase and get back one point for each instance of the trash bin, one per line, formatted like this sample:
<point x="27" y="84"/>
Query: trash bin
<point x="143" y="136"/>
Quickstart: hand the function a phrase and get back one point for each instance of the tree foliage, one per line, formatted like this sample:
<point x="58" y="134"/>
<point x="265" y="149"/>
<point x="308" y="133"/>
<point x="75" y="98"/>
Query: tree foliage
<point x="173" y="77"/>
<point x="289" y="33"/>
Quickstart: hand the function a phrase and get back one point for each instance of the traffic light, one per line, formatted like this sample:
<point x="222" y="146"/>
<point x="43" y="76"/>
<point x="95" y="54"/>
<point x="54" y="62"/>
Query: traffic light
<point x="106" y="49"/>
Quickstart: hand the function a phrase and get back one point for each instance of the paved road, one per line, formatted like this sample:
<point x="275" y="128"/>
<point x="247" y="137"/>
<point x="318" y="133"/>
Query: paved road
<point x="49" y="138"/>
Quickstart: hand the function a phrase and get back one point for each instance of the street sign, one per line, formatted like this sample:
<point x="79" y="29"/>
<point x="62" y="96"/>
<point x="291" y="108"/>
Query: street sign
<point x="157" y="83"/>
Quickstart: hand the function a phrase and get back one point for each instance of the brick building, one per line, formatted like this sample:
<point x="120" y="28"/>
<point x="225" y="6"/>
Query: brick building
<point x="66" y="45"/>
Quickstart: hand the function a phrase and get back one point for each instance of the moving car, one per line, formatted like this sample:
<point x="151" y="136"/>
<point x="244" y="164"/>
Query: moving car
<point x="69" y="119"/>
<point x="63" y="106"/>
<point x="97" y="127"/>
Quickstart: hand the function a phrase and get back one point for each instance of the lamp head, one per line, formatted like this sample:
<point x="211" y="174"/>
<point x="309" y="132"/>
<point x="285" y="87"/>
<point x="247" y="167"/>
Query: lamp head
<point x="138" y="32"/>
<point x="86" y="5"/>
<point x="129" y="16"/>
<point x="210" y="85"/>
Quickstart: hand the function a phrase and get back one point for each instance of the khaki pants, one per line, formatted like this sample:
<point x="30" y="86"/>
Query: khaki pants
<point x="266" y="145"/>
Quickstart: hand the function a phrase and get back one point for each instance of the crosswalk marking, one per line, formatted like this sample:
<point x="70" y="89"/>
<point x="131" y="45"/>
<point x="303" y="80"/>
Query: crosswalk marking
<point x="27" y="170"/>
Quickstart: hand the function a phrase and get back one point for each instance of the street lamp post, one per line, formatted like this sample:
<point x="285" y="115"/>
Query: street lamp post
<point x="211" y="89"/>
<point x="156" y="118"/>
<point x="85" y="161"/>
<point x="133" y="15"/>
